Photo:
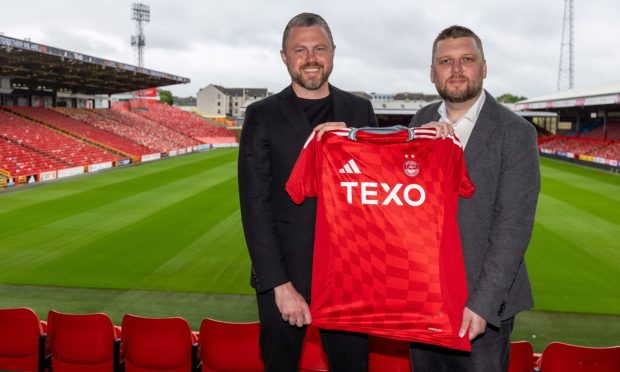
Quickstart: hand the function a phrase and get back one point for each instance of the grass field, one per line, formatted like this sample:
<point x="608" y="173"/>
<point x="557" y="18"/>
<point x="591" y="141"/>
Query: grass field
<point x="165" y="239"/>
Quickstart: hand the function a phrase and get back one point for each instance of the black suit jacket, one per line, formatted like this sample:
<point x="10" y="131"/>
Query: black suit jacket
<point x="280" y="234"/>
<point x="496" y="223"/>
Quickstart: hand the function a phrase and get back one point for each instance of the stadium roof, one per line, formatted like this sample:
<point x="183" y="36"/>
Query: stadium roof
<point x="37" y="67"/>
<point x="606" y="94"/>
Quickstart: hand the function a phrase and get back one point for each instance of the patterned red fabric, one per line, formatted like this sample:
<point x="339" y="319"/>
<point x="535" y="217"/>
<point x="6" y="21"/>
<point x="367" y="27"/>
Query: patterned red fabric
<point x="387" y="251"/>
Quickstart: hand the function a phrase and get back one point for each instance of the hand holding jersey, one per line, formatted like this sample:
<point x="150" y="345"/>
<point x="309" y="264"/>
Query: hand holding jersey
<point x="386" y="239"/>
<point x="292" y="305"/>
<point x="443" y="129"/>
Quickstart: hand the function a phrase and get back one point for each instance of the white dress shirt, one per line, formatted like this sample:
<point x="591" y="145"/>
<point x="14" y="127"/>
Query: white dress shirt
<point x="465" y="124"/>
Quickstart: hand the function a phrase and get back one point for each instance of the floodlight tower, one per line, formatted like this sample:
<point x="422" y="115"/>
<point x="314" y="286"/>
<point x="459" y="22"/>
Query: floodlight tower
<point x="566" y="70"/>
<point x="141" y="14"/>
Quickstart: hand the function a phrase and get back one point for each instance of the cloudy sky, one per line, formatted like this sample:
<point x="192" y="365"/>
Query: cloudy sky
<point x="381" y="46"/>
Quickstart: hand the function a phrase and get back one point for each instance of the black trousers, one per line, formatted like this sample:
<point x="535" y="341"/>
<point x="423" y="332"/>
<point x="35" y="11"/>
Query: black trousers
<point x="346" y="351"/>
<point x="490" y="352"/>
<point x="281" y="343"/>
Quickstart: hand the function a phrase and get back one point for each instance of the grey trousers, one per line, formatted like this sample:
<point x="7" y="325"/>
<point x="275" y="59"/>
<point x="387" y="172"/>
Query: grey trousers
<point x="490" y="352"/>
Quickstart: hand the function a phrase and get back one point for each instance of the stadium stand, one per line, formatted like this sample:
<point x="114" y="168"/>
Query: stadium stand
<point x="561" y="357"/>
<point x="574" y="145"/>
<point x="85" y="342"/>
<point x="134" y="140"/>
<point x="22" y="340"/>
<point x="19" y="160"/>
<point x="36" y="140"/>
<point x="230" y="347"/>
<point x="162" y="344"/>
<point x="55" y="145"/>
<point x="610" y="151"/>
<point x="147" y="132"/>
<point x="580" y="147"/>
<point x="187" y="123"/>
<point x="613" y="131"/>
<point x="83" y="126"/>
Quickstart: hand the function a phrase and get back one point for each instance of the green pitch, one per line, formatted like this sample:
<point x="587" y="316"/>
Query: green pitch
<point x="171" y="225"/>
<point x="165" y="239"/>
<point x="574" y="256"/>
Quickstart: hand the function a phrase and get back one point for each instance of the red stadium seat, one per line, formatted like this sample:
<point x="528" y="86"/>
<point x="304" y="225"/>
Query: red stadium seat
<point x="313" y="358"/>
<point x="83" y="342"/>
<point x="521" y="357"/>
<point x="22" y="341"/>
<point x="158" y="344"/>
<point x="561" y="357"/>
<point x="230" y="347"/>
<point x="388" y="355"/>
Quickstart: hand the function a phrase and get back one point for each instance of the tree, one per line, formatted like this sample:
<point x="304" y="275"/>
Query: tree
<point x="165" y="96"/>
<point x="510" y="98"/>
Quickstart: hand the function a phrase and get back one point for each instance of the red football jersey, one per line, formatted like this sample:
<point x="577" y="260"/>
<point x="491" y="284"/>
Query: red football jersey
<point x="387" y="251"/>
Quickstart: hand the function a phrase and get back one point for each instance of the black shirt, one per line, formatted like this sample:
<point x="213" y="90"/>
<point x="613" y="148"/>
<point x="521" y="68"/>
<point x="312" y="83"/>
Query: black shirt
<point x="317" y="111"/>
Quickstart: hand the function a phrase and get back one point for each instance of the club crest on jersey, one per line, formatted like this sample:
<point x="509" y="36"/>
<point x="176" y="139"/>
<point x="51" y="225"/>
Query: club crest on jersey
<point x="411" y="168"/>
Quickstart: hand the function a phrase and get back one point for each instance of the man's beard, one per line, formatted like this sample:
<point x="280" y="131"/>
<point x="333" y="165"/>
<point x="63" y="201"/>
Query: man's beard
<point x="311" y="84"/>
<point x="472" y="90"/>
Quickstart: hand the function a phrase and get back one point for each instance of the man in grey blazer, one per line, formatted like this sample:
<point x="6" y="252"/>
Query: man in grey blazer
<point x="501" y="154"/>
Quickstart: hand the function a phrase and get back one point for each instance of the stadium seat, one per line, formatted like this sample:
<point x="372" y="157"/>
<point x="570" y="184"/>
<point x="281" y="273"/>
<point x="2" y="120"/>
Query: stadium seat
<point x="230" y="347"/>
<point x="86" y="342"/>
<point x="521" y="357"/>
<point x="561" y="357"/>
<point x="388" y="355"/>
<point x="313" y="358"/>
<point x="158" y="344"/>
<point x="22" y="341"/>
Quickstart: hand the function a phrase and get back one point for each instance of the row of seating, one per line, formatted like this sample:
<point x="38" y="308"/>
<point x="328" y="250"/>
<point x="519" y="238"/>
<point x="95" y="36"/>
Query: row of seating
<point x="150" y="133"/>
<point x="21" y="161"/>
<point x="613" y="131"/>
<point x="147" y="138"/>
<point x="90" y="342"/>
<point x="574" y="145"/>
<point x="50" y="143"/>
<point x="610" y="151"/>
<point x="594" y="148"/>
<point x="30" y="147"/>
<point x="79" y="123"/>
<point x="184" y="122"/>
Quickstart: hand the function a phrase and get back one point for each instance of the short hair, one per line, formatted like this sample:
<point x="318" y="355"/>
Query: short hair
<point x="306" y="20"/>
<point x="455" y="32"/>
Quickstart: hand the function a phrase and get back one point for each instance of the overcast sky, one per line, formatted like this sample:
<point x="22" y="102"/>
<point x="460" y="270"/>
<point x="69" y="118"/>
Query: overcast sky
<point x="381" y="46"/>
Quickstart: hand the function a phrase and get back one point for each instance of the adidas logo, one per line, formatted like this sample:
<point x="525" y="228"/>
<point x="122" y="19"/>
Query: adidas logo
<point x="350" y="168"/>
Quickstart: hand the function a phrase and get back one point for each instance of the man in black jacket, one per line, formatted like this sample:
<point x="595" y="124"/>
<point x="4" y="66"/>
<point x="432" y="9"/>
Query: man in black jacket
<point x="280" y="234"/>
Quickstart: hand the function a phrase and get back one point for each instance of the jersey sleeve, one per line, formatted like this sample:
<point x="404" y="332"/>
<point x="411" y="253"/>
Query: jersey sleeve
<point x="466" y="187"/>
<point x="303" y="179"/>
<point x="462" y="183"/>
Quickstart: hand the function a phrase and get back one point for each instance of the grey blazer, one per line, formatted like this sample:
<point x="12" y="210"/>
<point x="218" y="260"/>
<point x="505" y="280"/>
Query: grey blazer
<point x="496" y="224"/>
